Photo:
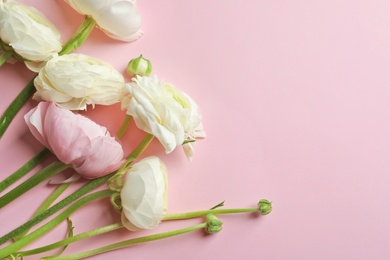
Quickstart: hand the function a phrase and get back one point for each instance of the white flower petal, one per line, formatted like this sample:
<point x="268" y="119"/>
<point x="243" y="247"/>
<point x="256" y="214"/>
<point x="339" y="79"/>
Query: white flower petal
<point x="162" y="110"/>
<point x="74" y="81"/>
<point x="143" y="195"/>
<point x="28" y="32"/>
<point x="119" y="19"/>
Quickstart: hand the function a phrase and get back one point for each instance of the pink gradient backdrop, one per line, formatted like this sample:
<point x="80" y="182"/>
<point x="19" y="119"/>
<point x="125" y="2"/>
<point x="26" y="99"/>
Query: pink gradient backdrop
<point x="295" y="98"/>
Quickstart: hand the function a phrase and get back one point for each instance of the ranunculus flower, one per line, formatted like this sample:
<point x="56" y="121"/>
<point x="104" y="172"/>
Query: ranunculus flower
<point x="144" y="195"/>
<point x="74" y="81"/>
<point x="119" y="19"/>
<point x="162" y="110"/>
<point x="75" y="140"/>
<point x="33" y="37"/>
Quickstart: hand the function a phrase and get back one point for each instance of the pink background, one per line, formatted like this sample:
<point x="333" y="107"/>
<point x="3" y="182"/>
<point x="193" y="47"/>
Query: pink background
<point x="295" y="100"/>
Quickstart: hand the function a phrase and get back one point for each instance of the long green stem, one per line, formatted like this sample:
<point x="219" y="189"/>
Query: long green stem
<point x="37" y="178"/>
<point x="26" y="168"/>
<point x="130" y="242"/>
<point x="55" y="208"/>
<point x="6" y="251"/>
<point x="74" y="196"/>
<point x="101" y="230"/>
<point x="15" y="106"/>
<point x="4" y="57"/>
<point x="46" y="204"/>
<point x="195" y="214"/>
<point x="70" y="240"/>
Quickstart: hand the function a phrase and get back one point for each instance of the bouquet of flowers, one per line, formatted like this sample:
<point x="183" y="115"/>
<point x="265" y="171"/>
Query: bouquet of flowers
<point x="66" y="84"/>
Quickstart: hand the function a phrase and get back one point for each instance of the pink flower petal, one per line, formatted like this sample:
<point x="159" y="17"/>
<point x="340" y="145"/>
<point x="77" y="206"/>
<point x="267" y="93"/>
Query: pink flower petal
<point x="64" y="136"/>
<point x="34" y="120"/>
<point x="75" y="139"/>
<point x="105" y="157"/>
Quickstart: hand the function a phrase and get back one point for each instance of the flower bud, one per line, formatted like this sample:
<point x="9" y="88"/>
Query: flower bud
<point x="214" y="225"/>
<point x="139" y="66"/>
<point x="265" y="206"/>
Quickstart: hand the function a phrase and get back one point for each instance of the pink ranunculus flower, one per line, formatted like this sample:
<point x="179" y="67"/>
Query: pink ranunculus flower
<point x="75" y="140"/>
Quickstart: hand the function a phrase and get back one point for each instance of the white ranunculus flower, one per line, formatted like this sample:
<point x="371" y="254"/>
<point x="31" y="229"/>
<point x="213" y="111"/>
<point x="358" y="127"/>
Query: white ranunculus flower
<point x="144" y="195"/>
<point x="162" y="110"/>
<point x="74" y="81"/>
<point x="119" y="19"/>
<point x="31" y="35"/>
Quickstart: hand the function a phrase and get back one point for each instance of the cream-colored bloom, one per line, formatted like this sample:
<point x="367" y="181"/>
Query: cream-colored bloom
<point x="144" y="195"/>
<point x="164" y="111"/>
<point x="31" y="35"/>
<point x="74" y="81"/>
<point x="119" y="19"/>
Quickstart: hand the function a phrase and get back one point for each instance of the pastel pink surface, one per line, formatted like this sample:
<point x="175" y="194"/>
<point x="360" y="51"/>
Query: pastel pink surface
<point x="295" y="100"/>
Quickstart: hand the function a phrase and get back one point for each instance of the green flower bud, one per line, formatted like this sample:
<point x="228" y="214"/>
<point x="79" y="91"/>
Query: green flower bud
<point x="214" y="225"/>
<point x="139" y="66"/>
<point x="265" y="206"/>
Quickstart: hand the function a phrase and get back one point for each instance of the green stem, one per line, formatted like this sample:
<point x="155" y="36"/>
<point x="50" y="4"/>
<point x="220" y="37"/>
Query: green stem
<point x="123" y="128"/>
<point x="15" y="106"/>
<point x="26" y="168"/>
<point x="6" y="251"/>
<point x="60" y="205"/>
<point x="46" y="204"/>
<point x="130" y="242"/>
<point x="79" y="36"/>
<point x="70" y="240"/>
<point x="195" y="214"/>
<point x="4" y="57"/>
<point x="74" y="196"/>
<point x="140" y="148"/>
<point x="37" y="178"/>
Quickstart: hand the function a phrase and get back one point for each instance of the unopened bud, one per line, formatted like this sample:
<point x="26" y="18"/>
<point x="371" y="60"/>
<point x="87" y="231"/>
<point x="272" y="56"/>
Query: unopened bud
<point x="139" y="66"/>
<point x="214" y="225"/>
<point x="265" y="206"/>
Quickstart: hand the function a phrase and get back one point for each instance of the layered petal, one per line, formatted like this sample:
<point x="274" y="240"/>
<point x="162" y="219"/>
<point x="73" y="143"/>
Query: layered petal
<point x="74" y="81"/>
<point x="164" y="111"/>
<point x="75" y="140"/>
<point x="119" y="19"/>
<point x="144" y="195"/>
<point x="31" y="35"/>
<point x="105" y="156"/>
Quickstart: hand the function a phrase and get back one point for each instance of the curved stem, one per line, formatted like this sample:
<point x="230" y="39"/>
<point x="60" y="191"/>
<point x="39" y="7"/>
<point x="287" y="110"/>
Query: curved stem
<point x="79" y="36"/>
<point x="46" y="204"/>
<point x="70" y="240"/>
<point x="53" y="223"/>
<point x="26" y="168"/>
<point x="37" y="178"/>
<point x="15" y="106"/>
<point x="195" y="214"/>
<point x="130" y="242"/>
